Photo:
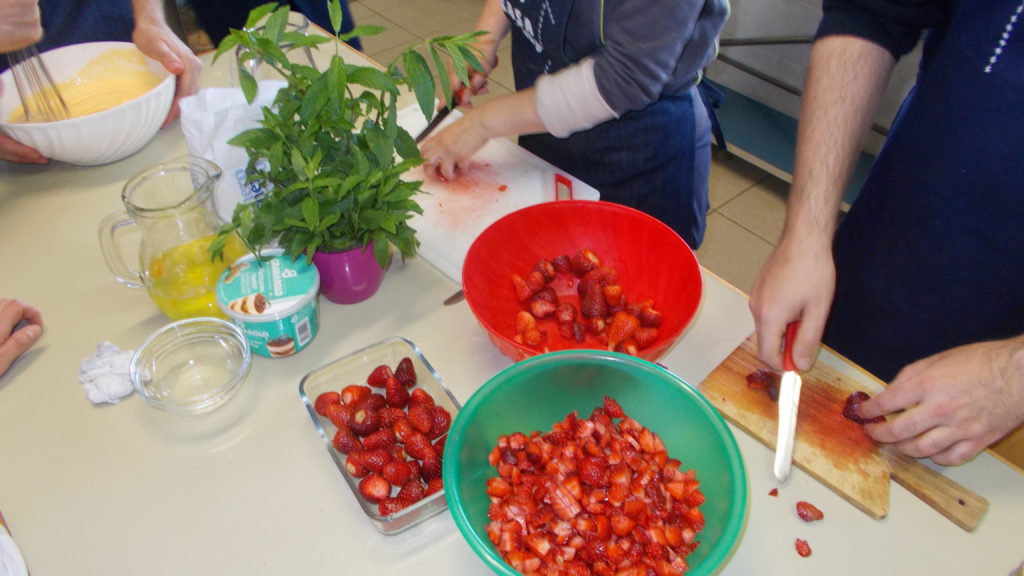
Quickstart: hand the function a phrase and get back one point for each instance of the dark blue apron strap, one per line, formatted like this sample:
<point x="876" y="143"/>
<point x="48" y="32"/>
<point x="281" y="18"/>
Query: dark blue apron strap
<point x="712" y="98"/>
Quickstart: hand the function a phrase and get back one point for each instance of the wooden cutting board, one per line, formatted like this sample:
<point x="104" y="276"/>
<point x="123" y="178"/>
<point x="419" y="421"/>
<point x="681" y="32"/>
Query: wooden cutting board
<point x="831" y="448"/>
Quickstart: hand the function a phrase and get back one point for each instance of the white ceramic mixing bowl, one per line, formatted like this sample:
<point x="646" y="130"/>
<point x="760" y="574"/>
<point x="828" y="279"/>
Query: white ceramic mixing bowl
<point x="98" y="138"/>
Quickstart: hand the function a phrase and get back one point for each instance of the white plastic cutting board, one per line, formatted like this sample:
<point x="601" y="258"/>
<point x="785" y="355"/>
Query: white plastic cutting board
<point x="503" y="179"/>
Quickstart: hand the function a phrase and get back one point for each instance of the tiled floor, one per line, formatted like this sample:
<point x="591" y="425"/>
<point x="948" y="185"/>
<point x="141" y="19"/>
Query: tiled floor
<point x="747" y="203"/>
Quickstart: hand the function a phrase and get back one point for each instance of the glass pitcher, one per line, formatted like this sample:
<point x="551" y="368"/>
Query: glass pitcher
<point x="171" y="207"/>
<point x="297" y="23"/>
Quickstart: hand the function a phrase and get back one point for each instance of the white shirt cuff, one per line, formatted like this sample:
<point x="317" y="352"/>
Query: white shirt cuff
<point x="569" y="101"/>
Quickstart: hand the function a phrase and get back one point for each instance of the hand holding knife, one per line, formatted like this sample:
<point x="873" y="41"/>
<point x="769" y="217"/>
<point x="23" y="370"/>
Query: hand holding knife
<point x="442" y="114"/>
<point x="789" y="403"/>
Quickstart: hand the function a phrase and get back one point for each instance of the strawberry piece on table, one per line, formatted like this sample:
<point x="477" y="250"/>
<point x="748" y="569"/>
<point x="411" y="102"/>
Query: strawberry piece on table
<point x="802" y="547"/>
<point x="808" y="512"/>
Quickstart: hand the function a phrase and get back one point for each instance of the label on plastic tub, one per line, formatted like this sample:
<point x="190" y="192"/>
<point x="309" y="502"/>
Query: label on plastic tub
<point x="273" y="300"/>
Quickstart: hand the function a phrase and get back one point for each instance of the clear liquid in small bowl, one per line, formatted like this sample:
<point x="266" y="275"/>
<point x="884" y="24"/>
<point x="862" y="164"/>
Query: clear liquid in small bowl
<point x="194" y="374"/>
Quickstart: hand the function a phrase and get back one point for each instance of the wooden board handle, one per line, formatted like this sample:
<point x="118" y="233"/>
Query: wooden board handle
<point x="961" y="506"/>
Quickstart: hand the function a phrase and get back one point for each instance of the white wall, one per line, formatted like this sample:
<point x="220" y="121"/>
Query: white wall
<point x="788" y="63"/>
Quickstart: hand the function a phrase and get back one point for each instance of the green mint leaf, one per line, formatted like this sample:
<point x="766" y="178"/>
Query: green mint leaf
<point x="420" y="80"/>
<point x="372" y="78"/>
<point x="446" y="84"/>
<point x="366" y="30"/>
<point x="259" y="13"/>
<point x="334" y="9"/>
<point x="406" y="146"/>
<point x="248" y="83"/>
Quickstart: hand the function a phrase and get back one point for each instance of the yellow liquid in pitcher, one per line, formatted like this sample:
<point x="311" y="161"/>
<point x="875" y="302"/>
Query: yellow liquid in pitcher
<point x="182" y="281"/>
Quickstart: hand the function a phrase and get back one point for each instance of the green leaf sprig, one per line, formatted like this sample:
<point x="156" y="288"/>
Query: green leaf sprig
<point x="329" y="153"/>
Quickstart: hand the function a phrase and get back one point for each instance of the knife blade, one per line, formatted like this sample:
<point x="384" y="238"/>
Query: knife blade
<point x="438" y="118"/>
<point x="443" y="113"/>
<point x="789" y="404"/>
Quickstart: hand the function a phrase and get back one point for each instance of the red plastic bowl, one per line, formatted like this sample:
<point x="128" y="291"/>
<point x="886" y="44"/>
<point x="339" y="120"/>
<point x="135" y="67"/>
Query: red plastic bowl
<point x="652" y="261"/>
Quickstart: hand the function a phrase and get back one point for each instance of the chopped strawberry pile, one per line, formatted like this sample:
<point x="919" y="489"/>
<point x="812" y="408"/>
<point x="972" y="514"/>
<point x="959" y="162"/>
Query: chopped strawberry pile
<point x="592" y="496"/>
<point x="599" y="310"/>
<point x="392" y="434"/>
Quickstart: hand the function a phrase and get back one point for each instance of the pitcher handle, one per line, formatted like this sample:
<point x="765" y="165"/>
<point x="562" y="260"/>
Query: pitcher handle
<point x="112" y="253"/>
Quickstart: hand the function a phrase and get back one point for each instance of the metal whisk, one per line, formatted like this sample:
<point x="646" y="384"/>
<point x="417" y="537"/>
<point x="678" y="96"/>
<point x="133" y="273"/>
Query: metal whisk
<point x="39" y="95"/>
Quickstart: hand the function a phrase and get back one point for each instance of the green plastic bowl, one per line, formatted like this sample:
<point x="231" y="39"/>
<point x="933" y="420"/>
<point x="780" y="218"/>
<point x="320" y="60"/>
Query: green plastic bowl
<point x="537" y="392"/>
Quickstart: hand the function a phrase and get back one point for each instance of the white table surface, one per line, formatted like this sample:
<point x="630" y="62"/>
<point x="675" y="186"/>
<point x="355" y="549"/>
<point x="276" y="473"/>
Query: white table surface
<point x="250" y="489"/>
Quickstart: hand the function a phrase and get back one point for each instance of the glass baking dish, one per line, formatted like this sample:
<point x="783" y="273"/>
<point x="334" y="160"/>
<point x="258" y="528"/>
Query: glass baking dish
<point x="353" y="369"/>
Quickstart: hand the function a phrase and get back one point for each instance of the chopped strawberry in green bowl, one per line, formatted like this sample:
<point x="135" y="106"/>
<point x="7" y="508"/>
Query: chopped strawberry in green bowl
<point x="587" y="461"/>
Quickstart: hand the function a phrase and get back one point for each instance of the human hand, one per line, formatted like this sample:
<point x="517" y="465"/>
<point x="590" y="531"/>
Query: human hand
<point x="19" y="27"/>
<point x="14" y="343"/>
<point x="797" y="282"/>
<point x="14" y="151"/>
<point x="479" y="83"/>
<point x="951" y="406"/>
<point x="156" y="40"/>
<point x="19" y="24"/>
<point x="449" y="150"/>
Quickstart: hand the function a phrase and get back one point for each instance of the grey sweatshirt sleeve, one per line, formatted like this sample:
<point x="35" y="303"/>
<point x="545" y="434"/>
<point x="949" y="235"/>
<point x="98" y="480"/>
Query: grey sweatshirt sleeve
<point x="655" y="47"/>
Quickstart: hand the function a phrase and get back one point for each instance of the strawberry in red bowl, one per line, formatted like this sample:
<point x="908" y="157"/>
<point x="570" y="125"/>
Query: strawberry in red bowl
<point x="578" y="274"/>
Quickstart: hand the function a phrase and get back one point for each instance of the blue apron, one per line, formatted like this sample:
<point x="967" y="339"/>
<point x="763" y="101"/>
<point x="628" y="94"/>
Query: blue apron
<point x="67" y="22"/>
<point x="656" y="160"/>
<point x="931" y="255"/>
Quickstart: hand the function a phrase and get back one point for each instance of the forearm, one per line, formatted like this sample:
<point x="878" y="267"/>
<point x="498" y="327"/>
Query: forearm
<point x="845" y="81"/>
<point x="149" y="13"/>
<point x="510" y="115"/>
<point x="492" y="20"/>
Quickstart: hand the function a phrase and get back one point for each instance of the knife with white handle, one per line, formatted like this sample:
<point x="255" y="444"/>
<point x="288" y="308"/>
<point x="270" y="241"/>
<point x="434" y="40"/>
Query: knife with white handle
<point x="789" y="403"/>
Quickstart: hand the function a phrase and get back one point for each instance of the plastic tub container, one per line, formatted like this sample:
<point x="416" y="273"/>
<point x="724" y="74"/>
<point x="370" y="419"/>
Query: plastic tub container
<point x="273" y="300"/>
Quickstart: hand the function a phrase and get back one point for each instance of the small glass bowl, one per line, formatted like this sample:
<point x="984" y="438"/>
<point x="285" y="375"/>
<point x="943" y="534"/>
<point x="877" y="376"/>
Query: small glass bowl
<point x="191" y="366"/>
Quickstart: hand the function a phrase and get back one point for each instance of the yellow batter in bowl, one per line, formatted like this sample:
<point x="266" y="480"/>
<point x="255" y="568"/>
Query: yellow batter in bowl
<point x="110" y="79"/>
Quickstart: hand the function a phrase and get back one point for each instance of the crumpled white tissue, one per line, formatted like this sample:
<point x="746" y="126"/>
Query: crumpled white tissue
<point x="105" y="374"/>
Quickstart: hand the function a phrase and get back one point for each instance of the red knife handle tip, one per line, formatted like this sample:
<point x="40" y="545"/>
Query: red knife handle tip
<point x="787" y="358"/>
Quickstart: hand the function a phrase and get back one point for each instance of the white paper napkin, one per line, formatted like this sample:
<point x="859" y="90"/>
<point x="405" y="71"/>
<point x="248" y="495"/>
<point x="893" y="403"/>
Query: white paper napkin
<point x="105" y="374"/>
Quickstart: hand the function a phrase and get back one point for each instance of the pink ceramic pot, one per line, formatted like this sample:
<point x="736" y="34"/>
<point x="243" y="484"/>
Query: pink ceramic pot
<point x="349" y="277"/>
